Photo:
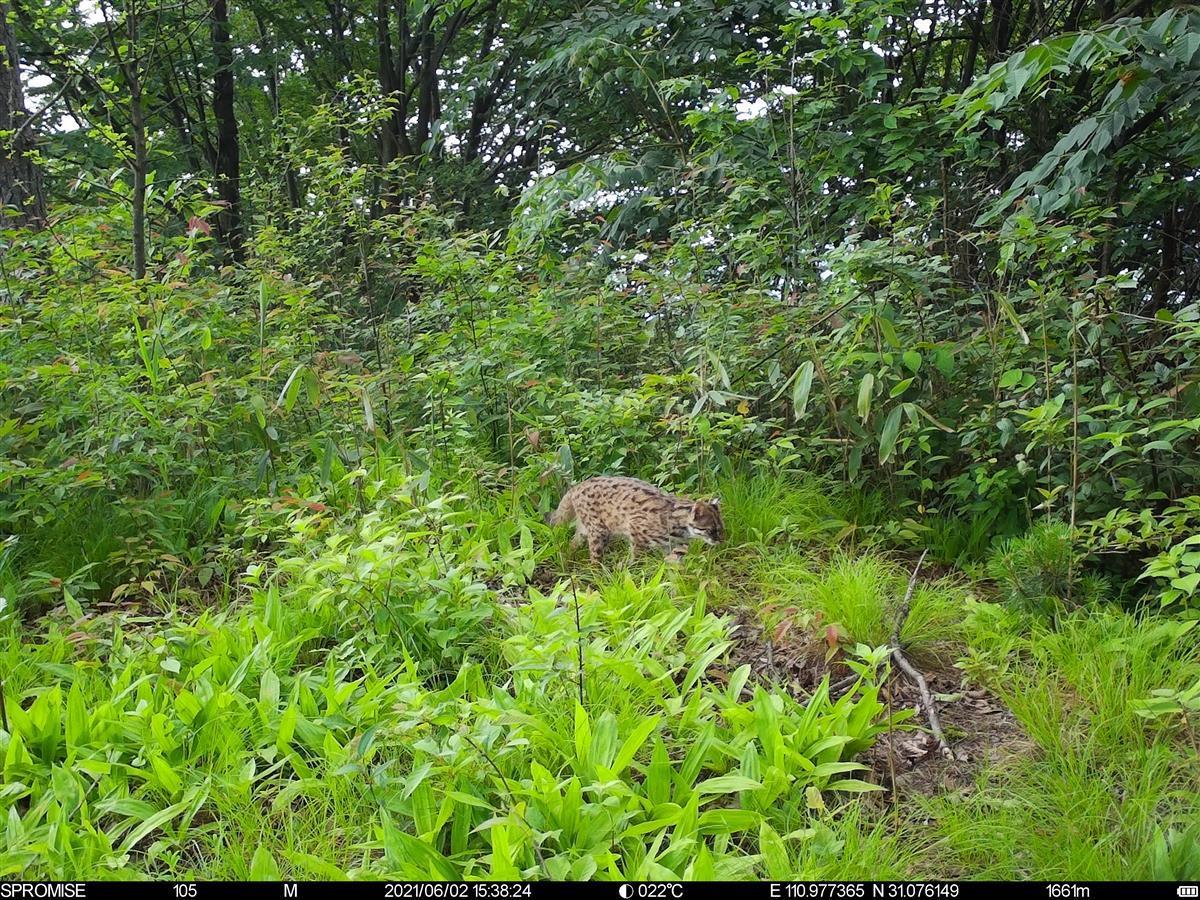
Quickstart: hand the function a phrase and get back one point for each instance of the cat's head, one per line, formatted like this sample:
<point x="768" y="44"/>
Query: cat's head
<point x="705" y="522"/>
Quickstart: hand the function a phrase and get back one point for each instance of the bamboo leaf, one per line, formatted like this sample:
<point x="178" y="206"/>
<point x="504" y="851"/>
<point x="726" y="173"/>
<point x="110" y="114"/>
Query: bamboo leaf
<point x="1007" y="307"/>
<point x="801" y="389"/>
<point x="891" y="429"/>
<point x="633" y="743"/>
<point x="865" y="387"/>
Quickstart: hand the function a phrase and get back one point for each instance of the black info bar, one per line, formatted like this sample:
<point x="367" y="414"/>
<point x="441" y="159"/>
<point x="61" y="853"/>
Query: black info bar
<point x="608" y="890"/>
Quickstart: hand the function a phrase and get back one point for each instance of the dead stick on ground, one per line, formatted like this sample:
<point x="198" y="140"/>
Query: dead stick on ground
<point x="770" y="657"/>
<point x="911" y="671"/>
<point x="839" y="686"/>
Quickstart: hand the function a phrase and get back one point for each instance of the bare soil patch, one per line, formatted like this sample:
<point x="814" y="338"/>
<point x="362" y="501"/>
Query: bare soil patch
<point x="979" y="727"/>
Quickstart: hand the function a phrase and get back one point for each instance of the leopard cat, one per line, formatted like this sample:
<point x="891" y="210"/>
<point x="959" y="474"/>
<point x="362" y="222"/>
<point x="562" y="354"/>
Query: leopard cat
<point x="606" y="507"/>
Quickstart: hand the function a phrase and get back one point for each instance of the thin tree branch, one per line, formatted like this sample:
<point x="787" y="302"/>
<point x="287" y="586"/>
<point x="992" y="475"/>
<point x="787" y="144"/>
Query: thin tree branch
<point x="911" y="671"/>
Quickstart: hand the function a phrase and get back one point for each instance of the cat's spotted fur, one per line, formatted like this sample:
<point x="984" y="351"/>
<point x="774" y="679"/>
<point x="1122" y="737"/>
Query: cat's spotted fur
<point x="607" y="507"/>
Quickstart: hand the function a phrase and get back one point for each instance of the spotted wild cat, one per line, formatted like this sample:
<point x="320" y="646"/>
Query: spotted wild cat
<point x="606" y="507"/>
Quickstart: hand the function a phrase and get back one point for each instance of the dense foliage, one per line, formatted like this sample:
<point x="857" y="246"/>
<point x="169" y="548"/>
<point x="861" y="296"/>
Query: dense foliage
<point x="309" y="312"/>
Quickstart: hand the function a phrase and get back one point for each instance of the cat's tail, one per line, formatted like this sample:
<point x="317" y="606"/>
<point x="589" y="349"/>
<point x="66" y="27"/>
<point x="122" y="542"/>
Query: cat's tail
<point x="565" y="512"/>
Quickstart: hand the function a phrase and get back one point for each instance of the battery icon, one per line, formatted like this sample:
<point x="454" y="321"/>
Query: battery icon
<point x="1188" y="890"/>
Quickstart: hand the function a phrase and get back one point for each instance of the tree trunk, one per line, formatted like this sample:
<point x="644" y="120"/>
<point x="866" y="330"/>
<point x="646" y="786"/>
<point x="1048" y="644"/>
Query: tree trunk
<point x="138" y="122"/>
<point x="141" y="164"/>
<point x="391" y="85"/>
<point x="21" y="199"/>
<point x="127" y="63"/>
<point x="389" y="147"/>
<point x="1002" y="25"/>
<point x="968" y="66"/>
<point x="228" y="165"/>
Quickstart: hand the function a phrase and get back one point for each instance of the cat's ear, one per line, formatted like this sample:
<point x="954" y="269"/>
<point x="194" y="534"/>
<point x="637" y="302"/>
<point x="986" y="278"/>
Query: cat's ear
<point x="715" y="501"/>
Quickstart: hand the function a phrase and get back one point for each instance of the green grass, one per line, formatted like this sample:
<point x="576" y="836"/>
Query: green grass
<point x="771" y="510"/>
<point x="1103" y="787"/>
<point x="862" y="595"/>
<point x="1103" y="793"/>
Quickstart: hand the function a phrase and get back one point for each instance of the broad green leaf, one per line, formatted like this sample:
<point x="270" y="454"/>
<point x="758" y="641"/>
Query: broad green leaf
<point x="864" y="396"/>
<point x="633" y="743"/>
<point x="887" y="438"/>
<point x="727" y="821"/>
<point x="802" y="388"/>
<point x="287" y="395"/>
<point x="726" y="784"/>
<point x="1010" y="378"/>
<point x="263" y="866"/>
<point x="852" y="785"/>
<point x="287" y="726"/>
<point x="166" y="775"/>
<point x="583" y="734"/>
<point x="152" y="823"/>
<point x="1187" y="583"/>
<point x="774" y="853"/>
<point x="414" y="858"/>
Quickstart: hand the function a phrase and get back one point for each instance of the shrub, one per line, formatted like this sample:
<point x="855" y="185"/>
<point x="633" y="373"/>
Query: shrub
<point x="1040" y="571"/>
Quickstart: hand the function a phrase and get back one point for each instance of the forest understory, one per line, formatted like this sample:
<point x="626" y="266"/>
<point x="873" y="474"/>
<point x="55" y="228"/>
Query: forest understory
<point x="311" y="312"/>
<point x="362" y="680"/>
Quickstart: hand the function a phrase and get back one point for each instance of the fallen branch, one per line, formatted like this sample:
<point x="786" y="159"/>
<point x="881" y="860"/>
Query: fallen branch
<point x="769" y="647"/>
<point x="902" y="616"/>
<point x="911" y="671"/>
<point x="838" y="686"/>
